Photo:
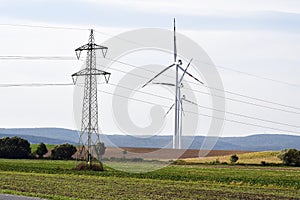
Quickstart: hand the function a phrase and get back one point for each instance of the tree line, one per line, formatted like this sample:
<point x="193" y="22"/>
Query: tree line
<point x="19" y="148"/>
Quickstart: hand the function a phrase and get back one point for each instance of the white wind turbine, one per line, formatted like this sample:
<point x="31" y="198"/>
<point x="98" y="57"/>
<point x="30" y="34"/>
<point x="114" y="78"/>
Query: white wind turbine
<point x="178" y="84"/>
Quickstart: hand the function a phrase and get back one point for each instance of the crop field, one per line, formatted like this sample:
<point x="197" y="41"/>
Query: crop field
<point x="56" y="180"/>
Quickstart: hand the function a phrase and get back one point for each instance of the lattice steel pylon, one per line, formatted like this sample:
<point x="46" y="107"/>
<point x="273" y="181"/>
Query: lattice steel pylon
<point x="89" y="136"/>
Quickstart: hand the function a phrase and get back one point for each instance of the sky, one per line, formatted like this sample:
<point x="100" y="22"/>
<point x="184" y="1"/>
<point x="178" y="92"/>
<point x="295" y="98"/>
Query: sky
<point x="258" y="37"/>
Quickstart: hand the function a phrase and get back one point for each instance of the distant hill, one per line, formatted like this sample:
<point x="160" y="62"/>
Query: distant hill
<point x="37" y="139"/>
<point x="260" y="142"/>
<point x="50" y="133"/>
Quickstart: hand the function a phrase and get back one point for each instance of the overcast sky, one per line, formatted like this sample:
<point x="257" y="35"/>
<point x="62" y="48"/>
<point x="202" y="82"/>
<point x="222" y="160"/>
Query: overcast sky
<point x="260" y="37"/>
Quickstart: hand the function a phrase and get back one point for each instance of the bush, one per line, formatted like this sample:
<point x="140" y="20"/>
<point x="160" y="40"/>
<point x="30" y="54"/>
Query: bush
<point x="41" y="150"/>
<point x="263" y="163"/>
<point x="234" y="158"/>
<point x="86" y="166"/>
<point x="179" y="162"/>
<point x="215" y="162"/>
<point x="63" y="152"/>
<point x="100" y="149"/>
<point x="14" y="147"/>
<point x="290" y="157"/>
<point x="136" y="159"/>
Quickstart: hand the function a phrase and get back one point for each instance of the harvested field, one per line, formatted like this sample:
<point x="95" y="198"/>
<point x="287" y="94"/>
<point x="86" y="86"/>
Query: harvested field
<point x="164" y="154"/>
<point x="244" y="158"/>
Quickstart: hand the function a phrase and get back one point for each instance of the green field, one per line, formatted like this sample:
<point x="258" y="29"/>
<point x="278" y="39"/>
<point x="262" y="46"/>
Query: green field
<point x="34" y="147"/>
<point x="56" y="180"/>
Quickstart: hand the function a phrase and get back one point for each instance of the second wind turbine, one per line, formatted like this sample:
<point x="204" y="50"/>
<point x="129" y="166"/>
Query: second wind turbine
<point x="178" y="106"/>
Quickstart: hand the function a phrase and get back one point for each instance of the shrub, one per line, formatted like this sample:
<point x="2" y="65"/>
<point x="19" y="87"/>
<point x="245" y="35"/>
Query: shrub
<point x="105" y="159"/>
<point x="97" y="167"/>
<point x="86" y="166"/>
<point x="179" y="162"/>
<point x="101" y="149"/>
<point x="290" y="157"/>
<point x="234" y="158"/>
<point x="264" y="163"/>
<point x="215" y="162"/>
<point x="124" y="154"/>
<point x="41" y="150"/>
<point x="14" y="147"/>
<point x="136" y="159"/>
<point x="63" y="152"/>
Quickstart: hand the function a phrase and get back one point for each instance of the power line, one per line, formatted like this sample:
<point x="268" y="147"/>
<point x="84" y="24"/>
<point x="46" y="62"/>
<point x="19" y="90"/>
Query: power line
<point x="34" y="84"/>
<point x="72" y="58"/>
<point x="218" y="66"/>
<point x="133" y="42"/>
<point x="123" y="39"/>
<point x="14" y="57"/>
<point x="209" y="116"/>
<point x="227" y="98"/>
<point x="41" y="26"/>
<point x="208" y="108"/>
<point x="226" y="91"/>
<point x="71" y="84"/>
<point x="260" y="77"/>
<point x="37" y="57"/>
<point x="139" y="44"/>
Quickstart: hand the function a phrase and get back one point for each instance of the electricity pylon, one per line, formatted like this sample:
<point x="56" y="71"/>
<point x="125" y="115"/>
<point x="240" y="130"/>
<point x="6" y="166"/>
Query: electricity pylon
<point x="177" y="63"/>
<point x="89" y="136"/>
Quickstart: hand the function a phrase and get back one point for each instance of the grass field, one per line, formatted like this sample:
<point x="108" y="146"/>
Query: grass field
<point x="56" y="180"/>
<point x="34" y="147"/>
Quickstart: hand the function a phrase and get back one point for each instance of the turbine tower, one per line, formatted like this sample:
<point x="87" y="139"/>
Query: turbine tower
<point x="177" y="63"/>
<point x="89" y="137"/>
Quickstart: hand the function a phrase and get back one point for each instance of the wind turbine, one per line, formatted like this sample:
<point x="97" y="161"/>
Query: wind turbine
<point x="177" y="64"/>
<point x="182" y="98"/>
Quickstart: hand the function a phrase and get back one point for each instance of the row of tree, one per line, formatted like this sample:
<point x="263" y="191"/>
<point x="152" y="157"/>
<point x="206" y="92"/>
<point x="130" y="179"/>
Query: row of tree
<point x="60" y="152"/>
<point x="290" y="157"/>
<point x="16" y="147"/>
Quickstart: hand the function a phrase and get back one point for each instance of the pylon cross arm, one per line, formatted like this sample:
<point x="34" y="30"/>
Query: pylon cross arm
<point x="88" y="72"/>
<point x="90" y="47"/>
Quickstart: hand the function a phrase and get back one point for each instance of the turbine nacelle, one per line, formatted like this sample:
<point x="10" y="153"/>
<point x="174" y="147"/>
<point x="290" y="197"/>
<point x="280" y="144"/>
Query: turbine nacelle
<point x="179" y="62"/>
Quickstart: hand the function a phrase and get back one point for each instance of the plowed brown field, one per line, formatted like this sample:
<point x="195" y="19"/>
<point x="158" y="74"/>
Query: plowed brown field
<point x="154" y="153"/>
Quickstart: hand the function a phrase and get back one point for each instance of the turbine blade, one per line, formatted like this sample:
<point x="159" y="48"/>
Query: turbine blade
<point x="175" y="48"/>
<point x="182" y="107"/>
<point x="192" y="76"/>
<point x="168" y="84"/>
<point x="158" y="75"/>
<point x="191" y="102"/>
<point x="169" y="110"/>
<point x="184" y="72"/>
